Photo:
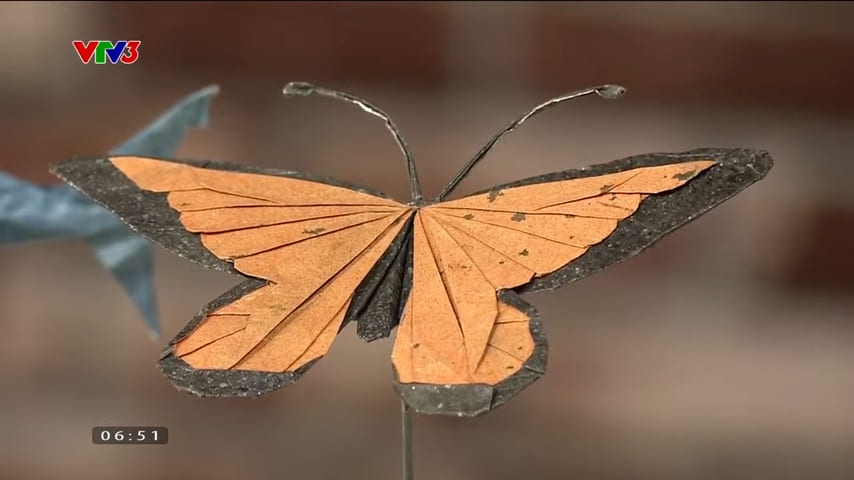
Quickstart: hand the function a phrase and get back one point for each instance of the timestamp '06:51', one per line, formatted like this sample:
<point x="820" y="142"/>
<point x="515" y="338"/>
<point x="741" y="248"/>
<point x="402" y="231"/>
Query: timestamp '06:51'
<point x="120" y="435"/>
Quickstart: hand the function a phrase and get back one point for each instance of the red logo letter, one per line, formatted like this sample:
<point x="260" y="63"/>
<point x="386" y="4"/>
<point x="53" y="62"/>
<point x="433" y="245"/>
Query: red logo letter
<point x="131" y="51"/>
<point x="85" y="50"/>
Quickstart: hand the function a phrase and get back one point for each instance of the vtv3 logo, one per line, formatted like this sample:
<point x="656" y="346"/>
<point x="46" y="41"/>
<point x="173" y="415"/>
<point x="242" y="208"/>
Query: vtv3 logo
<point x="126" y="51"/>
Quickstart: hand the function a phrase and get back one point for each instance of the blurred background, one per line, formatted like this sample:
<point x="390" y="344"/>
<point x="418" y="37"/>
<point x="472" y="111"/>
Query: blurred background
<point x="726" y="351"/>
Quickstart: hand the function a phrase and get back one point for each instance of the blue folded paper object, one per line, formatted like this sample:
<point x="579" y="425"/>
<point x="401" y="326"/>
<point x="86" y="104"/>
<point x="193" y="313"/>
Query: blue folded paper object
<point x="34" y="213"/>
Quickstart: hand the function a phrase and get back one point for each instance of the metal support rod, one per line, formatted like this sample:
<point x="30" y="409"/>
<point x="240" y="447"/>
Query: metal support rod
<point x="406" y="437"/>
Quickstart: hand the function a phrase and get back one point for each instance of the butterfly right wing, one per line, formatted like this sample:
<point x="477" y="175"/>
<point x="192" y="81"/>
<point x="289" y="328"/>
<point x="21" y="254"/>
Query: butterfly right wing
<point x="467" y="342"/>
<point x="307" y="245"/>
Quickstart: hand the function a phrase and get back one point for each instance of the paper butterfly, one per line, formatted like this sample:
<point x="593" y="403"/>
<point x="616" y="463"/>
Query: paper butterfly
<point x="318" y="253"/>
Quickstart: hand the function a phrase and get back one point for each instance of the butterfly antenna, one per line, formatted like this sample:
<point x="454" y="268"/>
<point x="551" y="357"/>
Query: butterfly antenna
<point x="605" y="91"/>
<point x="303" y="89"/>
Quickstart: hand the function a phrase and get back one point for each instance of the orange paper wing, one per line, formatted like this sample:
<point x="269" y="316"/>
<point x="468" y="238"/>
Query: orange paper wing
<point x="463" y="348"/>
<point x="307" y="246"/>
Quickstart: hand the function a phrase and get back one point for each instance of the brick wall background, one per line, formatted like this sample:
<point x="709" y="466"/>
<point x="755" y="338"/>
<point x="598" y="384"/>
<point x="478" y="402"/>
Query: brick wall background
<point x="726" y="351"/>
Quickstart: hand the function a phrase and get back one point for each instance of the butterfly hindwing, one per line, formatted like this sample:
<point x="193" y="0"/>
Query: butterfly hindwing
<point x="459" y="340"/>
<point x="472" y="399"/>
<point x="222" y="383"/>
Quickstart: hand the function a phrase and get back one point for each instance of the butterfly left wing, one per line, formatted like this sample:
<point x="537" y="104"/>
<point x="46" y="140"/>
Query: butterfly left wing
<point x="467" y="342"/>
<point x="308" y="247"/>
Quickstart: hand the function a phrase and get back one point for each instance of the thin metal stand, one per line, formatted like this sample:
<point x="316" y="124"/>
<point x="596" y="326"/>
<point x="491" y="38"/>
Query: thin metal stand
<point x="406" y="437"/>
